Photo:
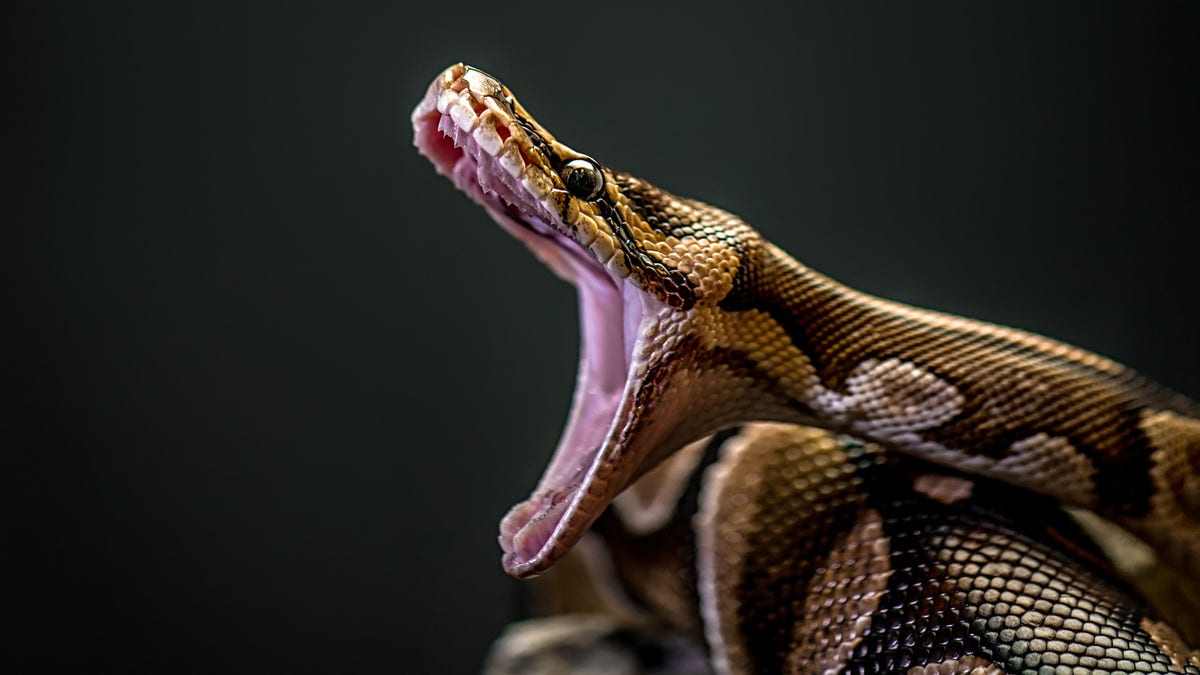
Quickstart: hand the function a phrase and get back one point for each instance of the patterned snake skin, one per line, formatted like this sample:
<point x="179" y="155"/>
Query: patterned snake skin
<point x="934" y="544"/>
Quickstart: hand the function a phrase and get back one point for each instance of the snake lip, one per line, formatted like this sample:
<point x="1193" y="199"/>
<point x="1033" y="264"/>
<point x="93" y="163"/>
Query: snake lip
<point x="459" y="135"/>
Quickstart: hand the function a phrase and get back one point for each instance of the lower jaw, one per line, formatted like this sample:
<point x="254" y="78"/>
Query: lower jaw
<point x="528" y="527"/>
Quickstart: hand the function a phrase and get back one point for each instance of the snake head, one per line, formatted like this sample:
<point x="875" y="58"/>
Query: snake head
<point x="649" y="268"/>
<point x="682" y="252"/>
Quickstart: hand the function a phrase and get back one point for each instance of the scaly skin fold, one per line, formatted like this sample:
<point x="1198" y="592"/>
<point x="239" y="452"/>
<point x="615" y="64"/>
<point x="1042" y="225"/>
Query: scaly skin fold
<point x="692" y="323"/>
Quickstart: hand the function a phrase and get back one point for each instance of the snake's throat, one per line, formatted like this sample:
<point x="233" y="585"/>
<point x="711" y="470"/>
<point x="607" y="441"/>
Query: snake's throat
<point x="593" y="461"/>
<point x="579" y="480"/>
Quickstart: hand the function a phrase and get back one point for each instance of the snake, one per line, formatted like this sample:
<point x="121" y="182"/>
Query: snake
<point x="809" y="478"/>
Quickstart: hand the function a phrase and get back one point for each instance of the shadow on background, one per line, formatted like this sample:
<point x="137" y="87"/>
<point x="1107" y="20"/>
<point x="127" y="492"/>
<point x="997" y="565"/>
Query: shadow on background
<point x="277" y="382"/>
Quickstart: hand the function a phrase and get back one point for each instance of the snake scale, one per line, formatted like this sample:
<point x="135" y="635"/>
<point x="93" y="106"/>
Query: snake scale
<point x="806" y="478"/>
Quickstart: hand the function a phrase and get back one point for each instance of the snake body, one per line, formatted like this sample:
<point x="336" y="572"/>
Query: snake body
<point x="693" y="323"/>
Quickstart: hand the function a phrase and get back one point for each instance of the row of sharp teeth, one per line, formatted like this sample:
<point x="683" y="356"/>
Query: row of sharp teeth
<point x="511" y="191"/>
<point x="463" y="107"/>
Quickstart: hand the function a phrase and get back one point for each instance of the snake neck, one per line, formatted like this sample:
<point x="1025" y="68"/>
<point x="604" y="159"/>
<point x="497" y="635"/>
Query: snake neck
<point x="825" y="323"/>
<point x="970" y="395"/>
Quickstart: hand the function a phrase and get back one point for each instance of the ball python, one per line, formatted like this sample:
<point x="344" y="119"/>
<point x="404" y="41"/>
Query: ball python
<point x="808" y="478"/>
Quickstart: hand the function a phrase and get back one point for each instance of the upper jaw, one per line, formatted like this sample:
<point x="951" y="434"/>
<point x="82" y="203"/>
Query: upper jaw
<point x="465" y="125"/>
<point x="478" y="135"/>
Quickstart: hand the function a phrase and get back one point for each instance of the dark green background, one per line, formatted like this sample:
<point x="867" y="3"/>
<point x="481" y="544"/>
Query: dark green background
<point x="275" y="382"/>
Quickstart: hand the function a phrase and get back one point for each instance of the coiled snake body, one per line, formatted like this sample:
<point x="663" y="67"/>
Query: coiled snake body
<point x="925" y="538"/>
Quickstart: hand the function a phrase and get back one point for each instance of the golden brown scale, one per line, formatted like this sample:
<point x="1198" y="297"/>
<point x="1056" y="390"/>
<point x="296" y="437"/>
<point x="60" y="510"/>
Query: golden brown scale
<point x="818" y="555"/>
<point x="734" y="330"/>
<point x="1017" y="407"/>
<point x="823" y="557"/>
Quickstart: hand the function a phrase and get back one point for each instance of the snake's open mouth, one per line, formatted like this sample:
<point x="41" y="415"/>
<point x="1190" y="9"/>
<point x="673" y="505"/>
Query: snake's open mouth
<point x="469" y="141"/>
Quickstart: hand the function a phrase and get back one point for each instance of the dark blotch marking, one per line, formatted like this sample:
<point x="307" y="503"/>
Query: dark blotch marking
<point x="918" y="623"/>
<point x="738" y="362"/>
<point x="780" y="567"/>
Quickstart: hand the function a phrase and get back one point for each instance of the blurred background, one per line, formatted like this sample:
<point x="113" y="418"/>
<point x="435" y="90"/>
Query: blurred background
<point x="274" y="382"/>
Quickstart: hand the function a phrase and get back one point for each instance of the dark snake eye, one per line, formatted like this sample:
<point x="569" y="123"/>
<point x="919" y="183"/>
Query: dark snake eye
<point x="583" y="178"/>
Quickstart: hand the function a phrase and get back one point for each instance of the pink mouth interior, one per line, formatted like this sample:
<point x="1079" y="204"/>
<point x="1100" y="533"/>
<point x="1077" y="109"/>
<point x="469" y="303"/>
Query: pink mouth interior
<point x="609" y="323"/>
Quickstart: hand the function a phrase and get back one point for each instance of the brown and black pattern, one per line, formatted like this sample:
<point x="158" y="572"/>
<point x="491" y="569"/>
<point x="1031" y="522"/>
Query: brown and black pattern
<point x="982" y="579"/>
<point x="986" y="578"/>
<point x="779" y="503"/>
<point x="859" y="566"/>
<point x="669" y="284"/>
<point x="745" y="333"/>
<point x="1012" y="390"/>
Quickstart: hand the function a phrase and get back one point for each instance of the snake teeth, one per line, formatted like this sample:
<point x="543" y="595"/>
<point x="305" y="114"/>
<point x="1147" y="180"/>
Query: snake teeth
<point x="536" y="182"/>
<point x="510" y="160"/>
<point x="463" y="113"/>
<point x="486" y="135"/>
<point x="445" y="100"/>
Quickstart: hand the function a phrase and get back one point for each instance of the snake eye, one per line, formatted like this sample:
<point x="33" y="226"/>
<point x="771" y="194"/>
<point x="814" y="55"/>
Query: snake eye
<point x="583" y="178"/>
